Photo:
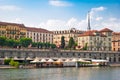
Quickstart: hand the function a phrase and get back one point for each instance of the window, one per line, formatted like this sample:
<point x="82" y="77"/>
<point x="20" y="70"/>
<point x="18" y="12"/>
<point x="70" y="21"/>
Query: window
<point x="97" y="38"/>
<point x="113" y="43"/>
<point x="73" y="54"/>
<point x="109" y="44"/>
<point x="118" y="43"/>
<point x="90" y="38"/>
<point x="109" y="39"/>
<point x="104" y="39"/>
<point x="109" y="34"/>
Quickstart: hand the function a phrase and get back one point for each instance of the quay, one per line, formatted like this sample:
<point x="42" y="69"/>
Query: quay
<point x="32" y="54"/>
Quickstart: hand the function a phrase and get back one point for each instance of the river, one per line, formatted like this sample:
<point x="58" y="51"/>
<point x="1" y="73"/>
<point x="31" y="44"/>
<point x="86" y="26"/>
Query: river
<point x="83" y="73"/>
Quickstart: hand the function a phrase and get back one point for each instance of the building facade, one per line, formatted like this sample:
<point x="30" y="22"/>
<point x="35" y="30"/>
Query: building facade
<point x="116" y="41"/>
<point x="39" y="35"/>
<point x="67" y="34"/>
<point x="96" y="40"/>
<point x="12" y="30"/>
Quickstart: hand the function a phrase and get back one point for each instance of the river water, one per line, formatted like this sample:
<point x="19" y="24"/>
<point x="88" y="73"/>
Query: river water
<point x="83" y="73"/>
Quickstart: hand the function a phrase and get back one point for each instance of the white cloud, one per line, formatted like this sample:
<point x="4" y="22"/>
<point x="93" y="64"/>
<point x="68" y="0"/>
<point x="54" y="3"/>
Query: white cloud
<point x="101" y="8"/>
<point x="53" y="24"/>
<point x="17" y="20"/>
<point x="59" y="3"/>
<point x="9" y="8"/>
<point x="99" y="18"/>
<point x="112" y="19"/>
<point x="94" y="11"/>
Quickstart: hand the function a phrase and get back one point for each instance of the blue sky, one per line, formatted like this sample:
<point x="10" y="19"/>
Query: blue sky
<point x="62" y="14"/>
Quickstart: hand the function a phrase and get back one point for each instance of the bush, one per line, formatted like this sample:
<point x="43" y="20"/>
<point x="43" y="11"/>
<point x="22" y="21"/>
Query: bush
<point x="14" y="63"/>
<point x="7" y="61"/>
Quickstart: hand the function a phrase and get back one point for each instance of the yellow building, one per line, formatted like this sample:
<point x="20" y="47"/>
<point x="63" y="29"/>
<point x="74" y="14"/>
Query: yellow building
<point x="116" y="41"/>
<point x="12" y="30"/>
<point x="96" y="40"/>
<point x="67" y="34"/>
<point x="39" y="35"/>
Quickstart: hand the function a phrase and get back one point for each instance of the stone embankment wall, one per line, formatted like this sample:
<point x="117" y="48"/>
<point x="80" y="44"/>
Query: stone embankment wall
<point x="113" y="57"/>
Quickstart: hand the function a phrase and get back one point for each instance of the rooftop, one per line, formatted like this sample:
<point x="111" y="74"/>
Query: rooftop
<point x="106" y="30"/>
<point x="14" y="24"/>
<point x="37" y="30"/>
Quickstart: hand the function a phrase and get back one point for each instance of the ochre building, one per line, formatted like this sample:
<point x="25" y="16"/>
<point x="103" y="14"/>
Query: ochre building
<point x="96" y="40"/>
<point x="116" y="41"/>
<point x="67" y="34"/>
<point x="12" y="30"/>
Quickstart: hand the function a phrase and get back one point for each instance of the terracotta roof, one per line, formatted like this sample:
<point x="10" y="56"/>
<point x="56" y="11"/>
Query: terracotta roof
<point x="37" y="30"/>
<point x="91" y="33"/>
<point x="106" y="30"/>
<point x="88" y="33"/>
<point x="14" y="24"/>
<point x="116" y="33"/>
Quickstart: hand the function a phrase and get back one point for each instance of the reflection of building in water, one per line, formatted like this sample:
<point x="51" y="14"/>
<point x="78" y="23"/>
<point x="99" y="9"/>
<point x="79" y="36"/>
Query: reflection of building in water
<point x="67" y="34"/>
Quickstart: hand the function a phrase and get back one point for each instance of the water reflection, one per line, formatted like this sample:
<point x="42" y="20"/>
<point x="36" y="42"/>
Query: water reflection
<point x="86" y="73"/>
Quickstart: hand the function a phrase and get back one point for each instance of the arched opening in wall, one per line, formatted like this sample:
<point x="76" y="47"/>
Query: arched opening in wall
<point x="79" y="55"/>
<point x="89" y="55"/>
<point x="54" y="54"/>
<point x="84" y="55"/>
<point x="67" y="55"/>
<point x="119" y="59"/>
<point x="11" y="55"/>
<point x="110" y="59"/>
<point x="2" y="55"/>
<point x="48" y="55"/>
<point x="61" y="54"/>
<point x="73" y="54"/>
<point x="114" y="59"/>
<point x="19" y="55"/>
<point x="94" y="57"/>
<point x="26" y="54"/>
<point x="34" y="55"/>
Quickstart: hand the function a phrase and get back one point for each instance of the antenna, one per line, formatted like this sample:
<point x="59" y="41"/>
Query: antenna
<point x="88" y="28"/>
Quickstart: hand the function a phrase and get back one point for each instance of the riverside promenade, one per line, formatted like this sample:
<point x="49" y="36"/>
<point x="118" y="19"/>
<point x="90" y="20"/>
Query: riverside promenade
<point x="22" y="54"/>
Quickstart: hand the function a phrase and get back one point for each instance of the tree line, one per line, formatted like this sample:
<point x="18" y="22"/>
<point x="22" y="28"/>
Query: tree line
<point x="23" y="42"/>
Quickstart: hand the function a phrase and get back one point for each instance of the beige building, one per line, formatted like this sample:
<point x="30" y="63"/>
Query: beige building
<point x="96" y="40"/>
<point x="67" y="34"/>
<point x="39" y="35"/>
<point x="116" y="41"/>
<point x="12" y="30"/>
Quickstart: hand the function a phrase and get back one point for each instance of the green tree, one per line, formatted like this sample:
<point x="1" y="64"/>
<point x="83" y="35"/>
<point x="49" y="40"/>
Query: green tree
<point x="25" y="42"/>
<point x="34" y="44"/>
<point x="48" y="44"/>
<point x="2" y="41"/>
<point x="10" y="42"/>
<point x="16" y="43"/>
<point x="14" y="63"/>
<point x="7" y="61"/>
<point x="85" y="47"/>
<point x="40" y="45"/>
<point x="71" y="43"/>
<point x="62" y="42"/>
<point x="53" y="46"/>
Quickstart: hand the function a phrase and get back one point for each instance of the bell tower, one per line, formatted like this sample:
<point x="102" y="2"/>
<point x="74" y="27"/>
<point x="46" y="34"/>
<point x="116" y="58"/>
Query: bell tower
<point x="88" y="17"/>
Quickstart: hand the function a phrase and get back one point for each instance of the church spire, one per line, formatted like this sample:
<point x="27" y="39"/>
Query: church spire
<point x="88" y="28"/>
